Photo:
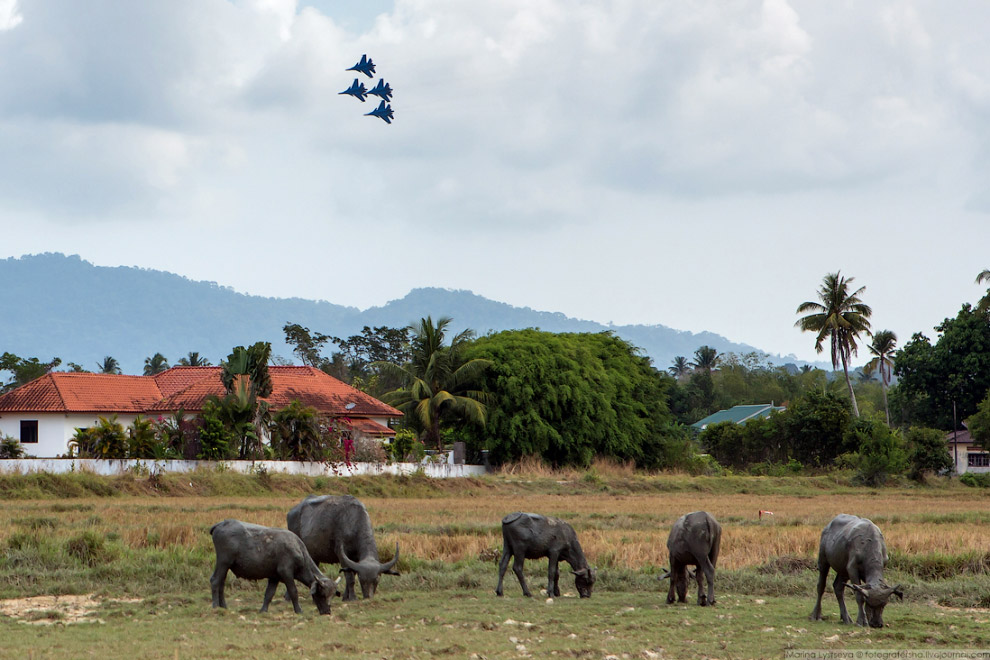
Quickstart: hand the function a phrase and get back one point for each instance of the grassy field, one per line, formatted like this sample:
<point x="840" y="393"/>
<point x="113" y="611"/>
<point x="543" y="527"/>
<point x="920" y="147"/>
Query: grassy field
<point x="119" y="568"/>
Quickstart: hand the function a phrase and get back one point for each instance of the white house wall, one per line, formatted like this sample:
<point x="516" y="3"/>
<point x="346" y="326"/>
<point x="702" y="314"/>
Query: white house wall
<point x="55" y="430"/>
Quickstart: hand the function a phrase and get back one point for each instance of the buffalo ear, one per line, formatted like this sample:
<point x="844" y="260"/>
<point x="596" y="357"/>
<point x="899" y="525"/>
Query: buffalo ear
<point x="313" y="588"/>
<point x="897" y="591"/>
<point x="392" y="571"/>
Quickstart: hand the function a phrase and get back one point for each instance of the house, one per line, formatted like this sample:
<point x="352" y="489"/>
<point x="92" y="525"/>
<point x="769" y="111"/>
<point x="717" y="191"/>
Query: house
<point x="737" y="414"/>
<point x="45" y="413"/>
<point x="965" y="454"/>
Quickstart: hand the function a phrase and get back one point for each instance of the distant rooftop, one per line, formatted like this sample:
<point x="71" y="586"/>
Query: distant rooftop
<point x="737" y="415"/>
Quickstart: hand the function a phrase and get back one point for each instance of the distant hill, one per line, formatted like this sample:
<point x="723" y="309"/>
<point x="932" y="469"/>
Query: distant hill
<point x="56" y="305"/>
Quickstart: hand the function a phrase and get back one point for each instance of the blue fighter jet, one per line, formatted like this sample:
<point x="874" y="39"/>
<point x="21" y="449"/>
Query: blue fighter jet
<point x="382" y="90"/>
<point x="357" y="90"/>
<point x="383" y="112"/>
<point x="365" y="66"/>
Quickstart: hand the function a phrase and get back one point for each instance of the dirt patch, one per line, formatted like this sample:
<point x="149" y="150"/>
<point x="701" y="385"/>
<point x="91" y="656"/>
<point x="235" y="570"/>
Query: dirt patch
<point x="50" y="610"/>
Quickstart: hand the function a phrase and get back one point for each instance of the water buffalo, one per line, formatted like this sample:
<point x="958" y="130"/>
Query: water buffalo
<point x="337" y="530"/>
<point x="855" y="548"/>
<point x="530" y="536"/>
<point x="694" y="540"/>
<point x="254" y="552"/>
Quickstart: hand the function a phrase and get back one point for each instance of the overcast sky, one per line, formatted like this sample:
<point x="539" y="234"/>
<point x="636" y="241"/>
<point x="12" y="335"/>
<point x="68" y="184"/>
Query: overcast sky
<point x="698" y="165"/>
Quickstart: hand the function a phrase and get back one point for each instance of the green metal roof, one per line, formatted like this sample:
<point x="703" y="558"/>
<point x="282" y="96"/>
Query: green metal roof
<point x="737" y="415"/>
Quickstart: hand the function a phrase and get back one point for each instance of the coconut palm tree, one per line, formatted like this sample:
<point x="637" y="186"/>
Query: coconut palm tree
<point x="882" y="347"/>
<point x="155" y="364"/>
<point x="679" y="367"/>
<point x="194" y="360"/>
<point x="439" y="381"/>
<point x="984" y="303"/>
<point x="840" y="317"/>
<point x="109" y="365"/>
<point x="705" y="358"/>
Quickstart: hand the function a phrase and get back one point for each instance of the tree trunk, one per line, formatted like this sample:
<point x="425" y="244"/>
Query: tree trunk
<point x="852" y="395"/>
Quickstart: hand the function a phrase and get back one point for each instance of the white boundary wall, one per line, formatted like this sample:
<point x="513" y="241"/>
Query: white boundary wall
<point x="312" y="469"/>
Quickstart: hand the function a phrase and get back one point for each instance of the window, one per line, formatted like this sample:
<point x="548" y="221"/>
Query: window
<point x="978" y="460"/>
<point x="29" y="431"/>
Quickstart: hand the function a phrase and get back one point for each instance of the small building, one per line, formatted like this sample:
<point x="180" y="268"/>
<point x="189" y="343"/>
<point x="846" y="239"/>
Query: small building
<point x="966" y="455"/>
<point x="45" y="413"/>
<point x="737" y="415"/>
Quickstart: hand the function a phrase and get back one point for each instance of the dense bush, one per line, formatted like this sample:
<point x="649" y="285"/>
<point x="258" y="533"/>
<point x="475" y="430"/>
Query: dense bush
<point x="10" y="447"/>
<point x="927" y="452"/>
<point x="880" y="452"/>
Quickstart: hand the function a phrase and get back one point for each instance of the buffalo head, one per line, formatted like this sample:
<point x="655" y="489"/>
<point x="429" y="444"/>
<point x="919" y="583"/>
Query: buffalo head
<point x="369" y="570"/>
<point x="584" y="580"/>
<point x="322" y="591"/>
<point x="875" y="597"/>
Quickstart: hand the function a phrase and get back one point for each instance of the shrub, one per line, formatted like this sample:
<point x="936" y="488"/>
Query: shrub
<point x="368" y="450"/>
<point x="214" y="437"/>
<point x="880" y="453"/>
<point x="406" y="447"/>
<point x="89" y="548"/>
<point x="927" y="452"/>
<point x="141" y="439"/>
<point x="976" y="480"/>
<point x="10" y="447"/>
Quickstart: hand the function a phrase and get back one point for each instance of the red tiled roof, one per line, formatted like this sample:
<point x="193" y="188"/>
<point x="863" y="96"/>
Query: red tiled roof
<point x="368" y="427"/>
<point x="187" y="388"/>
<point x="81" y="392"/>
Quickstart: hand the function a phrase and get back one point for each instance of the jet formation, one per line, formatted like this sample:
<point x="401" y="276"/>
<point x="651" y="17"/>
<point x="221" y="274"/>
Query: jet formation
<point x="382" y="90"/>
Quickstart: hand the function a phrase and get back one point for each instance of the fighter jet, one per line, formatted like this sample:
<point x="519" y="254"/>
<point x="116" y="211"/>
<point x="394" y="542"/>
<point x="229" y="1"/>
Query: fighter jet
<point x="382" y="89"/>
<point x="365" y="66"/>
<point x="357" y="90"/>
<point x="383" y="112"/>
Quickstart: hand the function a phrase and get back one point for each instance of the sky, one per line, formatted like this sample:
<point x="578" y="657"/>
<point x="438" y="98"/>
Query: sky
<point x="697" y="165"/>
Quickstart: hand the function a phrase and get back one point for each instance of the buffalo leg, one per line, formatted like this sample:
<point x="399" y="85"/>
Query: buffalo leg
<point x="217" y="581"/>
<point x="290" y="588"/>
<point x="675" y="571"/>
<point x="349" y="586"/>
<point x="269" y="593"/>
<point x="709" y="570"/>
<point x="816" y="614"/>
<point x="517" y="568"/>
<point x="553" y="575"/>
<point x="838" y="586"/>
<point x="502" y="566"/>
<point x="854" y="579"/>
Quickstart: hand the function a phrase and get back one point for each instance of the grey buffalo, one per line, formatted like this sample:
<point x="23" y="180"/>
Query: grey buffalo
<point x="254" y="552"/>
<point x="337" y="530"/>
<point x="855" y="548"/>
<point x="530" y="536"/>
<point x="694" y="540"/>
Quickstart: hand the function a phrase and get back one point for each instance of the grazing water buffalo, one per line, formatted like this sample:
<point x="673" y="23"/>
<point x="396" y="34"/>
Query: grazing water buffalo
<point x="530" y="536"/>
<point x="694" y="541"/>
<point x="254" y="552"/>
<point x="855" y="548"/>
<point x="337" y="530"/>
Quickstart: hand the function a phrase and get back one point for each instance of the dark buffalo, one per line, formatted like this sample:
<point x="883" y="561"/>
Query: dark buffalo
<point x="694" y="540"/>
<point x="337" y="530"/>
<point x="530" y="536"/>
<point x="855" y="548"/>
<point x="254" y="552"/>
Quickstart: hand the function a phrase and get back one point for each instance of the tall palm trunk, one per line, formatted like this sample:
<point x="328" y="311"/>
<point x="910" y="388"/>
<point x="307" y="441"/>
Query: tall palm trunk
<point x="852" y="395"/>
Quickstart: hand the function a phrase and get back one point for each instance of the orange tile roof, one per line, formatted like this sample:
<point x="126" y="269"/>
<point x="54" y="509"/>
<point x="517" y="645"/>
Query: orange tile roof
<point x="81" y="392"/>
<point x="185" y="388"/>
<point x="368" y="427"/>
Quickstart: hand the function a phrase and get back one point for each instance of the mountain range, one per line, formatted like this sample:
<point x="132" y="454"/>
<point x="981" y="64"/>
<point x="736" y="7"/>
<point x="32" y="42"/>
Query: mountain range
<point x="53" y="305"/>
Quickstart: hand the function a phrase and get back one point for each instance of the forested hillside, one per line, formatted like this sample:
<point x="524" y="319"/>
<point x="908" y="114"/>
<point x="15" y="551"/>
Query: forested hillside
<point x="62" y="306"/>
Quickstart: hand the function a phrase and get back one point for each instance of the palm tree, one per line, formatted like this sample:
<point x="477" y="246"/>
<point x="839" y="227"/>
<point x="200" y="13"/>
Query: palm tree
<point x="439" y="382"/>
<point x="840" y="317"/>
<point x="882" y="347"/>
<point x="155" y="364"/>
<point x="194" y="360"/>
<point x="705" y="358"/>
<point x="984" y="303"/>
<point x="679" y="367"/>
<point x="109" y="365"/>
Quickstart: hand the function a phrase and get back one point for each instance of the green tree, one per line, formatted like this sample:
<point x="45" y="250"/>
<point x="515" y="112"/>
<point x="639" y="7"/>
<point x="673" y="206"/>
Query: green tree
<point x="109" y="365"/>
<point x="194" y="359"/>
<point x="882" y="348"/>
<point x="706" y="358"/>
<point x="568" y="397"/>
<point x="155" y="364"/>
<point x="141" y="438"/>
<point x="927" y="453"/>
<point x="953" y="372"/>
<point x="816" y="426"/>
<point x="306" y="345"/>
<point x="296" y="434"/>
<point x="24" y="370"/>
<point x="679" y="367"/>
<point x="880" y="452"/>
<point x="215" y="438"/>
<point x="439" y="381"/>
<point x="979" y="423"/>
<point x="245" y="376"/>
<point x="983" y="305"/>
<point x="839" y="316"/>
<point x="106" y="439"/>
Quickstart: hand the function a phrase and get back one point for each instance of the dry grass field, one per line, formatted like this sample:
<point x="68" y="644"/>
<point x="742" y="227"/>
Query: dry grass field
<point x="141" y="563"/>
